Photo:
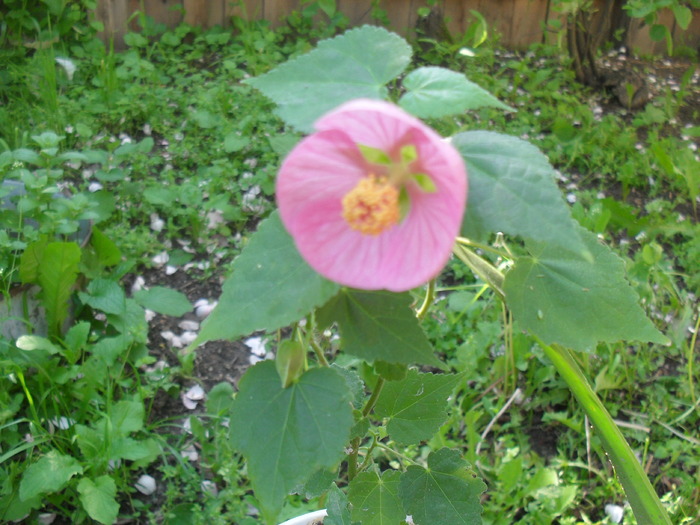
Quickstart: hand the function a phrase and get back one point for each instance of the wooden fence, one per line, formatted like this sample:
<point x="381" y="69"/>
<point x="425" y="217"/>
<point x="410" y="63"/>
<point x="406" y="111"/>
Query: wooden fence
<point x="520" y="22"/>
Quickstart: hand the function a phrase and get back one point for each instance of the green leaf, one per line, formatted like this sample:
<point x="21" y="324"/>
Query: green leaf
<point x="318" y="484"/>
<point x="290" y="361"/>
<point x="98" y="499"/>
<point x="144" y="450"/>
<point x="356" y="64"/>
<point x="327" y="6"/>
<point x="126" y="417"/>
<point x="36" y="342"/>
<point x="108" y="349"/>
<point x="375" y="499"/>
<point x="337" y="507"/>
<point x="658" y="32"/>
<point x="160" y="195"/>
<point x="58" y="271"/>
<point x="512" y="190"/>
<point x="164" y="300"/>
<point x="49" y="474"/>
<point x="105" y="295"/>
<point x="286" y="434"/>
<point x="437" y="92"/>
<point x="415" y="406"/>
<point x="234" y="142"/>
<point x="106" y="250"/>
<point x="683" y="15"/>
<point x="563" y="298"/>
<point x="271" y="286"/>
<point x="30" y="260"/>
<point x="90" y="441"/>
<point x="75" y="340"/>
<point x="219" y="399"/>
<point x="378" y="325"/>
<point x="446" y="493"/>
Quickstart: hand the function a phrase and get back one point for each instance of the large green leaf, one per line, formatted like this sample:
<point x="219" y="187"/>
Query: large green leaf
<point x="126" y="417"/>
<point x="445" y="493"/>
<point x="378" y="326"/>
<point x="49" y="474"/>
<point x="164" y="300"/>
<point x="105" y="295"/>
<point x="98" y="499"/>
<point x="512" y="190"/>
<point x="437" y="92"/>
<point x="58" y="271"/>
<point x="271" y="286"/>
<point x="375" y="499"/>
<point x="416" y="406"/>
<point x="564" y="298"/>
<point x="356" y="64"/>
<point x="286" y="434"/>
<point x="337" y="507"/>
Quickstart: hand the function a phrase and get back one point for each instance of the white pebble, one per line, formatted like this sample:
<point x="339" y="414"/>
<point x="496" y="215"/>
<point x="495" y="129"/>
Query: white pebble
<point x="146" y="485"/>
<point x="614" y="512"/>
<point x="157" y="224"/>
<point x="190" y="453"/>
<point x="189" y="325"/>
<point x="46" y="518"/>
<point x="204" y="310"/>
<point x="256" y="345"/>
<point x="210" y="487"/>
<point x="196" y="393"/>
<point x="160" y="259"/>
<point x="188" y="337"/>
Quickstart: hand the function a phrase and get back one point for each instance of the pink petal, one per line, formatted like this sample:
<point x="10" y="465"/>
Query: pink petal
<point x="325" y="166"/>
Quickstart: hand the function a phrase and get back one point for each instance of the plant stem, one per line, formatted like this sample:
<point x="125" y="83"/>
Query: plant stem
<point x="355" y="445"/>
<point x="481" y="267"/>
<point x="319" y="352"/>
<point x="645" y="503"/>
<point x="691" y="347"/>
<point x="429" y="298"/>
<point x="373" y="398"/>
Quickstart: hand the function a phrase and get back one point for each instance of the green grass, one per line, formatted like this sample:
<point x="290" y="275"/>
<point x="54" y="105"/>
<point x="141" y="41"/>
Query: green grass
<point x="184" y="141"/>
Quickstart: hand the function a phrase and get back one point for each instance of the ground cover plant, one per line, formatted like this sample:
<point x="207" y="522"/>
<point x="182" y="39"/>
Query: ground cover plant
<point x="174" y="159"/>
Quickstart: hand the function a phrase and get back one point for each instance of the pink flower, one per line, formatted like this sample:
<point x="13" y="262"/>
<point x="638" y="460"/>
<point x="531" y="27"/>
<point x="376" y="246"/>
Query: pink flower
<point x="374" y="199"/>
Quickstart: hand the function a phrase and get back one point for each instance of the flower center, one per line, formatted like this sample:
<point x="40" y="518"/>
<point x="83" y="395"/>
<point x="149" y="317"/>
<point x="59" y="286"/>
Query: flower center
<point x="372" y="206"/>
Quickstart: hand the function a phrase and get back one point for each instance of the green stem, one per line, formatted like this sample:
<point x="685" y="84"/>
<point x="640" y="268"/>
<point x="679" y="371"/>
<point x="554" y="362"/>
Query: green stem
<point x="645" y="503"/>
<point x="691" y="374"/>
<point x="481" y="267"/>
<point x="428" y="301"/>
<point x="355" y="445"/>
<point x="319" y="353"/>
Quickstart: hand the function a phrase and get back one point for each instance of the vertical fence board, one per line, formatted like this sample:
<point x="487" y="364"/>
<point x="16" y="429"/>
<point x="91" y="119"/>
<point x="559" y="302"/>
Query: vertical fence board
<point x="359" y="12"/>
<point x="248" y="9"/>
<point x="399" y="13"/>
<point x="164" y="11"/>
<point x="528" y="19"/>
<point x="276" y="10"/>
<point x="204" y="14"/>
<point x="113" y="15"/>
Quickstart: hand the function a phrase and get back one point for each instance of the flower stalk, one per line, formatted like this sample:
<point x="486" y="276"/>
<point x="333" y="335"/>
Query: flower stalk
<point x="645" y="503"/>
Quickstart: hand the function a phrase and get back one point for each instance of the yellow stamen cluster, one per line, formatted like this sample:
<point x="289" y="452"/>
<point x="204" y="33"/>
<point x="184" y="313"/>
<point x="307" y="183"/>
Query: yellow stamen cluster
<point x="372" y="206"/>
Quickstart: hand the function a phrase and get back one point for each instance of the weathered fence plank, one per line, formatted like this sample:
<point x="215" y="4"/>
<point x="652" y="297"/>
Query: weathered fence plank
<point x="519" y="22"/>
